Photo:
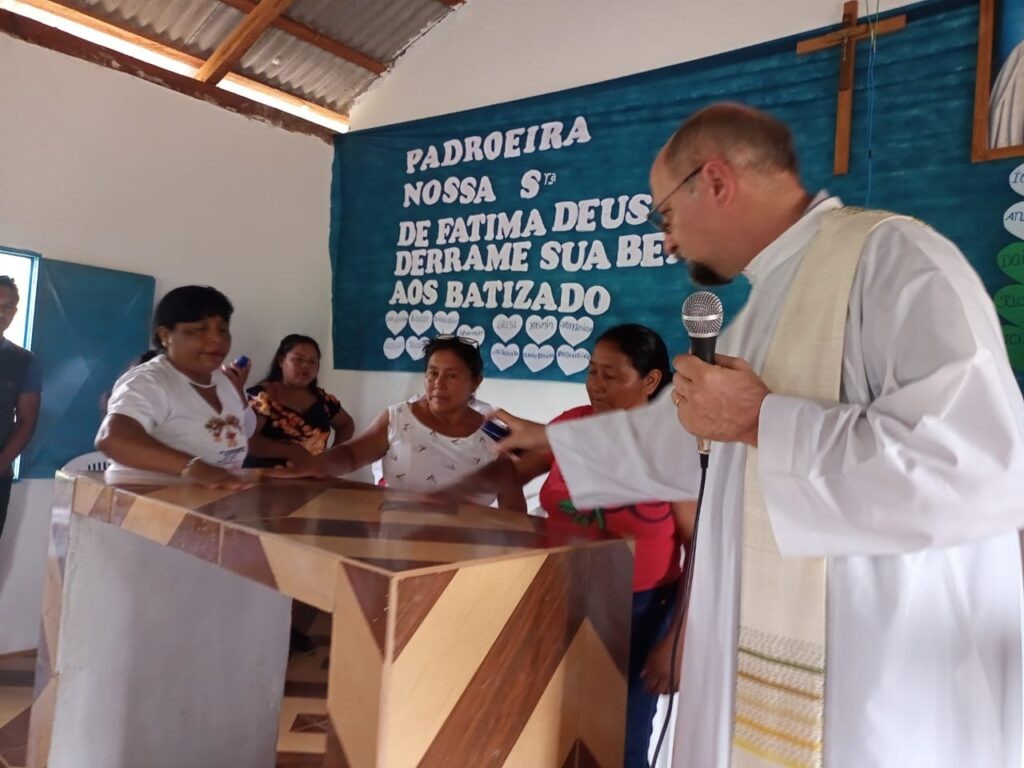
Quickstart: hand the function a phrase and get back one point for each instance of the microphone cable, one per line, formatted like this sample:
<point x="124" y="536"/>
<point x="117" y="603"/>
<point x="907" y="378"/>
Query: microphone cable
<point x="684" y="597"/>
<point x="872" y="88"/>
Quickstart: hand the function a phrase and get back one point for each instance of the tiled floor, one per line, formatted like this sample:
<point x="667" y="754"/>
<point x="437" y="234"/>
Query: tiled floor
<point x="302" y="735"/>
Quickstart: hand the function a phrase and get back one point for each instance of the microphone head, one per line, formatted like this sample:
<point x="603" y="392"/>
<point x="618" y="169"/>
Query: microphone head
<point x="702" y="314"/>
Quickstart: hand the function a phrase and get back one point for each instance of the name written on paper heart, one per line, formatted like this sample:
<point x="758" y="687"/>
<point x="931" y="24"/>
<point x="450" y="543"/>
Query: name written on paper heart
<point x="395" y="321"/>
<point x="576" y="330"/>
<point x="1013" y="220"/>
<point x="475" y="332"/>
<point x="420" y="320"/>
<point x="414" y="346"/>
<point x="540" y="329"/>
<point x="1017" y="179"/>
<point x="538" y="358"/>
<point x="572" y="360"/>
<point x="393" y="348"/>
<point x="504" y="356"/>
<point x="446" y="322"/>
<point x="507" y="326"/>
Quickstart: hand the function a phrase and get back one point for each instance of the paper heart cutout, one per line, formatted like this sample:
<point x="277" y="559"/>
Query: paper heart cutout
<point x="540" y="329"/>
<point x="538" y="358"/>
<point x="393" y="348"/>
<point x="504" y="357"/>
<point x="395" y="321"/>
<point x="420" y="320"/>
<point x="575" y="330"/>
<point x="414" y="346"/>
<point x="1009" y="301"/>
<point x="1011" y="261"/>
<point x="1013" y="220"/>
<point x="446" y="322"/>
<point x="507" y="326"/>
<point x="475" y="332"/>
<point x="1017" y="179"/>
<point x="572" y="360"/>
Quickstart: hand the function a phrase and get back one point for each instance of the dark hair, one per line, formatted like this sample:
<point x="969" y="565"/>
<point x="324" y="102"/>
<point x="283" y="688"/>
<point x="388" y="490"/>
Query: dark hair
<point x="145" y="357"/>
<point x="288" y="343"/>
<point x="6" y="281"/>
<point x="468" y="353"/>
<point x="645" y="349"/>
<point x="189" y="304"/>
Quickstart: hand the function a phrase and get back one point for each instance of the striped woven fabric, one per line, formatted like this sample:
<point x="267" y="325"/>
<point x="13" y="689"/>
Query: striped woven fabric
<point x="779" y="695"/>
<point x="780" y="691"/>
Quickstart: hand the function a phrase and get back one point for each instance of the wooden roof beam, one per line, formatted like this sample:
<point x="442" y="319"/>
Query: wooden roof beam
<point x="47" y="36"/>
<point x="320" y="40"/>
<point x="240" y="40"/>
<point x="184" y="63"/>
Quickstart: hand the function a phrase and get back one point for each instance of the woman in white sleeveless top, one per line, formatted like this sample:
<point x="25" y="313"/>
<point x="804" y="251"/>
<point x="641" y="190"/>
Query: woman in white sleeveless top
<point x="429" y="443"/>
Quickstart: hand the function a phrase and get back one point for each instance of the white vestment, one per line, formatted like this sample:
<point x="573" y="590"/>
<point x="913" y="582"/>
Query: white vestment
<point x="1006" y="103"/>
<point x="911" y="487"/>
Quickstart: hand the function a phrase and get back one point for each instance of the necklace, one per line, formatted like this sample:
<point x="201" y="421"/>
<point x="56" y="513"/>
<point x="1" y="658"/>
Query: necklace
<point x="197" y="385"/>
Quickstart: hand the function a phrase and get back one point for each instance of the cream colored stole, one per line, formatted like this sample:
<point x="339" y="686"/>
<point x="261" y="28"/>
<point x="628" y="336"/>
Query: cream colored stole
<point x="780" y="671"/>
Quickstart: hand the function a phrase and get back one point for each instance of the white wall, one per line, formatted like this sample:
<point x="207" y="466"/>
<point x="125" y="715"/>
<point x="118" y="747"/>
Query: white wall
<point x="491" y="51"/>
<point x="105" y="169"/>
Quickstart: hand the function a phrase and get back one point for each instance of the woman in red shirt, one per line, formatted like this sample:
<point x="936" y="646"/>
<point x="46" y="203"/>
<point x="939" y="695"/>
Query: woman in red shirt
<point x="629" y="367"/>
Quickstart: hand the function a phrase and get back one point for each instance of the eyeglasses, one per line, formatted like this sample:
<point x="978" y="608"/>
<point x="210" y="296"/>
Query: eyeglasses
<point x="451" y="336"/>
<point x="655" y="218"/>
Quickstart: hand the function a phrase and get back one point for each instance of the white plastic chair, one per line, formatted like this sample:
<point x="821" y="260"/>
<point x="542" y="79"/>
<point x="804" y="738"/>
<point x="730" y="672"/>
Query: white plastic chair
<point x="88" y="462"/>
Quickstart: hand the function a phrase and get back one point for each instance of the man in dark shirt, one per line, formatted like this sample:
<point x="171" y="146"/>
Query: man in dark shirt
<point x="20" y="385"/>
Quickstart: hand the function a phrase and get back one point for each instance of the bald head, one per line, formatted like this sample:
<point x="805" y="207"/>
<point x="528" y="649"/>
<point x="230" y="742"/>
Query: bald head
<point x="727" y="163"/>
<point x="747" y="138"/>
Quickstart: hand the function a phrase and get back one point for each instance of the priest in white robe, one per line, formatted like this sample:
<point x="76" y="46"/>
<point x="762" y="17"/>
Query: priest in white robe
<point x="909" y="486"/>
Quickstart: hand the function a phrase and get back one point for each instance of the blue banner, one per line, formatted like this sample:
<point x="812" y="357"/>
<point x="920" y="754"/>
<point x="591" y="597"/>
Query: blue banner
<point x="523" y="225"/>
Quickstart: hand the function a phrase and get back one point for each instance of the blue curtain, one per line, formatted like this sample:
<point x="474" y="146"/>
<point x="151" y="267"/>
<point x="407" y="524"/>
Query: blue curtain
<point x="88" y="324"/>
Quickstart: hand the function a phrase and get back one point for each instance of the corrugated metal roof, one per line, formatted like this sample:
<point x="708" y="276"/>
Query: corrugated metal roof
<point x="382" y="29"/>
<point x="196" y="26"/>
<point x="280" y="60"/>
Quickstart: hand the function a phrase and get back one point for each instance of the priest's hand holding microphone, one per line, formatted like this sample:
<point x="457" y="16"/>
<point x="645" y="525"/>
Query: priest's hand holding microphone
<point x="717" y="397"/>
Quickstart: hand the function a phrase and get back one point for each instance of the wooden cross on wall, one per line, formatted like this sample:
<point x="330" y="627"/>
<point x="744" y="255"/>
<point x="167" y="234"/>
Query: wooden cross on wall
<point x="847" y="37"/>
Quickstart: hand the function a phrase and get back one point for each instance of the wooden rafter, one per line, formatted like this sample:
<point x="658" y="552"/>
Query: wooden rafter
<point x="189" y="63"/>
<point x="321" y="41"/>
<point x="99" y="25"/>
<point x="451" y="3"/>
<point x="240" y="40"/>
<point x="37" y="33"/>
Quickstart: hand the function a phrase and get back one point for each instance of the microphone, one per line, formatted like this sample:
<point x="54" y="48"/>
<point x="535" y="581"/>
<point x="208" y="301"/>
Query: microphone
<point x="702" y="317"/>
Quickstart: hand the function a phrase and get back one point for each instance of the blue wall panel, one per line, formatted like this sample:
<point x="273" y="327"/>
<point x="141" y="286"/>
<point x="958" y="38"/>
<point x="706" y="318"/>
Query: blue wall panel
<point x="88" y="325"/>
<point x="921" y="148"/>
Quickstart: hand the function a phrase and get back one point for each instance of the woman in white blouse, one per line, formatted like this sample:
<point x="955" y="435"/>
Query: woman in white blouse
<point x="183" y="412"/>
<point x="429" y="443"/>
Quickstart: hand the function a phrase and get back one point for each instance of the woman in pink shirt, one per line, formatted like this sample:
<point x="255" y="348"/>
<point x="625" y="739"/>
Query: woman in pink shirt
<point x="629" y="367"/>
